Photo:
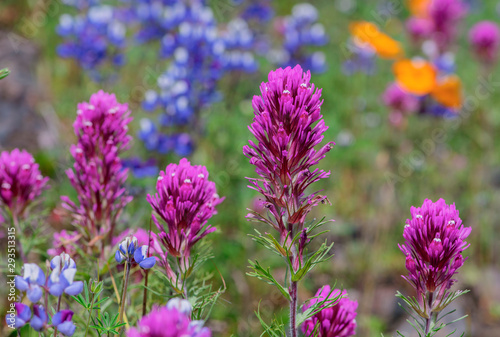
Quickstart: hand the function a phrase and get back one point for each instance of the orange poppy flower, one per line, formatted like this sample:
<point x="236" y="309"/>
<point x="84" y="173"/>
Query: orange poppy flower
<point x="416" y="77"/>
<point x="419" y="8"/>
<point x="387" y="47"/>
<point x="448" y="92"/>
<point x="367" y="32"/>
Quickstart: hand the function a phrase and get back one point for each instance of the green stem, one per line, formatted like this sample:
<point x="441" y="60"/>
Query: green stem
<point x="58" y="308"/>
<point x="18" y="229"/>
<point x="124" y="292"/>
<point x="293" y="309"/>
<point x="428" y="320"/>
<point x="90" y="315"/>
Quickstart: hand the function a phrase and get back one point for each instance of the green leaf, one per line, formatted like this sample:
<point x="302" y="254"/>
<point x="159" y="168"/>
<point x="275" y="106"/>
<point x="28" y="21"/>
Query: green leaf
<point x="265" y="275"/>
<point x="4" y="73"/>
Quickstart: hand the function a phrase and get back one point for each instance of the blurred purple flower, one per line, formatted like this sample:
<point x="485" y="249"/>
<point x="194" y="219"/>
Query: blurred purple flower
<point x="484" y="38"/>
<point x="64" y="242"/>
<point x="336" y="321"/>
<point x="398" y="100"/>
<point x="434" y="242"/>
<point x="446" y="16"/>
<point x="20" y="181"/>
<point x="169" y="321"/>
<point x="300" y="30"/>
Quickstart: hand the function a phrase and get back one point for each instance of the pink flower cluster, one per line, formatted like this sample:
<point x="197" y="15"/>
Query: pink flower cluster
<point x="434" y="242"/>
<point x="484" y="38"/>
<point x="338" y="320"/>
<point x="438" y="23"/>
<point x="400" y="102"/>
<point x="20" y="181"/>
<point x="171" y="320"/>
<point x="287" y="126"/>
<point x="185" y="201"/>
<point x="98" y="175"/>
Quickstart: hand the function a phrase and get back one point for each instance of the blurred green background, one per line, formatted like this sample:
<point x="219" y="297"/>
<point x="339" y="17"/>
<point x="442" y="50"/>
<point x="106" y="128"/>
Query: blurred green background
<point x="378" y="172"/>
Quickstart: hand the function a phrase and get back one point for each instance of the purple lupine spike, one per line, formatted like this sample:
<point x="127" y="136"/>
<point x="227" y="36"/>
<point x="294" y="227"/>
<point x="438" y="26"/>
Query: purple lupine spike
<point x="169" y="321"/>
<point x="336" y="321"/>
<point x="98" y="175"/>
<point x="434" y="242"/>
<point x="185" y="201"/>
<point x="20" y="180"/>
<point x="287" y="125"/>
<point x="484" y="38"/>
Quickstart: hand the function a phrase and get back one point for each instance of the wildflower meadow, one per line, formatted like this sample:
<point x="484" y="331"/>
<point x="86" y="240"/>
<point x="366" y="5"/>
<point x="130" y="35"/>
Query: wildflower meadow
<point x="204" y="168"/>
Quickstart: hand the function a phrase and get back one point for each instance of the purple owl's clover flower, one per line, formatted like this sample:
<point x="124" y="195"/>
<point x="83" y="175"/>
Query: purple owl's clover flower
<point x="185" y="201"/>
<point x="20" y="181"/>
<point x="98" y="175"/>
<point x="484" y="38"/>
<point x="288" y="125"/>
<point x="434" y="242"/>
<point x="171" y="320"/>
<point x="338" y="320"/>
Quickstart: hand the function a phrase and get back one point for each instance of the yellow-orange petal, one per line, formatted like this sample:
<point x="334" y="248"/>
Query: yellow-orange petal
<point x="448" y="92"/>
<point x="416" y="77"/>
<point x="419" y="8"/>
<point x="364" y="31"/>
<point x="386" y="47"/>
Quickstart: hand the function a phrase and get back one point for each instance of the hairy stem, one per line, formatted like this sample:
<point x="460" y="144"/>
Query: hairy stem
<point x="18" y="230"/>
<point x="145" y="294"/>
<point x="293" y="309"/>
<point x="124" y="292"/>
<point x="428" y="320"/>
<point x="90" y="315"/>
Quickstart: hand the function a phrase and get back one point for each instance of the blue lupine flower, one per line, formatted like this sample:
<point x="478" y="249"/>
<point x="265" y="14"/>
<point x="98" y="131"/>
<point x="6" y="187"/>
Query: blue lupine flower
<point x="30" y="283"/>
<point x="362" y="59"/>
<point x="62" y="320"/>
<point x="23" y="316"/>
<point x="239" y="41"/>
<point x="63" y="261"/>
<point x="141" y="169"/>
<point x="141" y="257"/>
<point x="62" y="276"/>
<point x="128" y="251"/>
<point x="93" y="38"/>
<point x="190" y="38"/>
<point x="181" y="305"/>
<point x="300" y="30"/>
<point x="39" y="319"/>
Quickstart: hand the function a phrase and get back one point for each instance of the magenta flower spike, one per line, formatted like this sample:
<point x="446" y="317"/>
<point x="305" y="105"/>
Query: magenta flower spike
<point x="338" y="320"/>
<point x="184" y="202"/>
<point x="20" y="181"/>
<point x="446" y="16"/>
<point x="287" y="126"/>
<point x="484" y="38"/>
<point x="98" y="175"/>
<point x="434" y="242"/>
<point x="171" y="320"/>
